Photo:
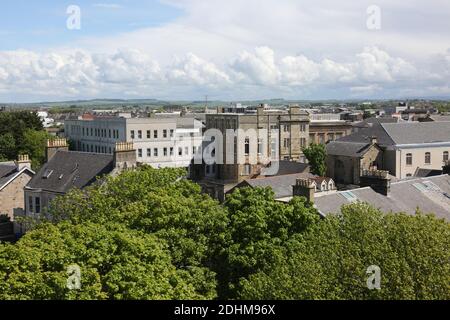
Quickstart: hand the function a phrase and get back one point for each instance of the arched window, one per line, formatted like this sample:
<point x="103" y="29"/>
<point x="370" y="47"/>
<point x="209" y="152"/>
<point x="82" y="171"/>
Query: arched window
<point x="409" y="159"/>
<point x="427" y="158"/>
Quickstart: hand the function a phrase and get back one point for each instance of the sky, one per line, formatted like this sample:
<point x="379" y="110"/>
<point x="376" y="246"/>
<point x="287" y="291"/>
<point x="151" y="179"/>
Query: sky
<point x="229" y="50"/>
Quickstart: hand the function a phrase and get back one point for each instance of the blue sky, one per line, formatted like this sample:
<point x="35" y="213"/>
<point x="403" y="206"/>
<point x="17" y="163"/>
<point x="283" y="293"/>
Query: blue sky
<point x="231" y="50"/>
<point x="29" y="24"/>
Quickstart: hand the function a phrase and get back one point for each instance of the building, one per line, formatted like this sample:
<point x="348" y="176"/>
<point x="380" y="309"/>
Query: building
<point x="14" y="176"/>
<point x="286" y="132"/>
<point x="328" y="127"/>
<point x="406" y="147"/>
<point x="345" y="161"/>
<point x="66" y="170"/>
<point x="282" y="185"/>
<point x="159" y="141"/>
<point x="430" y="195"/>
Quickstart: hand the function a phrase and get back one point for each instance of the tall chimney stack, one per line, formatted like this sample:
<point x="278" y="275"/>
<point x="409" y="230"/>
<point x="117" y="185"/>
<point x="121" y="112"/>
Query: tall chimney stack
<point x="378" y="180"/>
<point x="125" y="156"/>
<point x="304" y="188"/>
<point x="54" y="146"/>
<point x="23" y="161"/>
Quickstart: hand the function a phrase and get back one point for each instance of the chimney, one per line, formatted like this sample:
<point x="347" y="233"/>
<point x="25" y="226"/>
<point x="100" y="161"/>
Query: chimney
<point x="23" y="162"/>
<point x="446" y="168"/>
<point x="304" y="188"/>
<point x="378" y="180"/>
<point x="294" y="109"/>
<point x="125" y="156"/>
<point x="54" y="146"/>
<point x="373" y="140"/>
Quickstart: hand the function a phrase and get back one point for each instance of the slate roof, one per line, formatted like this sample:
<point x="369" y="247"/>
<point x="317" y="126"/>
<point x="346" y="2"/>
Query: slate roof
<point x="282" y="186"/>
<point x="68" y="169"/>
<point x="6" y="168"/>
<point x="365" y="135"/>
<point x="9" y="172"/>
<point x="418" y="132"/>
<point x="404" y="197"/>
<point x="291" y="167"/>
<point x="349" y="149"/>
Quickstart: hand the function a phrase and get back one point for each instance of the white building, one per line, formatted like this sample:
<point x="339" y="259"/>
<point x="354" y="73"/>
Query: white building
<point x="160" y="142"/>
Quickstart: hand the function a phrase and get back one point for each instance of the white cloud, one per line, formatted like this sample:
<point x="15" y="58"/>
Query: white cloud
<point x="248" y="73"/>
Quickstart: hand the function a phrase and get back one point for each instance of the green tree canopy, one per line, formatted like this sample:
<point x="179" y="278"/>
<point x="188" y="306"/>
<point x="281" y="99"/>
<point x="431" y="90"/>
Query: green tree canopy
<point x="316" y="155"/>
<point x="21" y="132"/>
<point x="330" y="261"/>
<point x="115" y="263"/>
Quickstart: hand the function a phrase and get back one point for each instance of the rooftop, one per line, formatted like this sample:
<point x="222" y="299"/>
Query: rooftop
<point x="430" y="195"/>
<point x="68" y="169"/>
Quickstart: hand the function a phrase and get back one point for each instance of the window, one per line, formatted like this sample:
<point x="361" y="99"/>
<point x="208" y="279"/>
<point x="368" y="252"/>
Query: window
<point x="140" y="153"/>
<point x="132" y="134"/>
<point x="409" y="159"/>
<point x="260" y="146"/>
<point x="180" y="152"/>
<point x="247" y="146"/>
<point x="140" y="134"/>
<point x="109" y="133"/>
<point x="155" y="134"/>
<point x="149" y="134"/>
<point x="155" y="152"/>
<point x="171" y="133"/>
<point x="37" y="204"/>
<point x="247" y="170"/>
<point x="428" y="158"/>
<point x="303" y="142"/>
<point x="445" y="156"/>
<point x="186" y="151"/>
<point x="171" y="152"/>
<point x="286" y="128"/>
<point x="164" y="133"/>
<point x="165" y="152"/>
<point x="194" y="150"/>
<point x="322" y="138"/>
<point x="30" y="204"/>
<point x="149" y="153"/>
<point x="286" y="142"/>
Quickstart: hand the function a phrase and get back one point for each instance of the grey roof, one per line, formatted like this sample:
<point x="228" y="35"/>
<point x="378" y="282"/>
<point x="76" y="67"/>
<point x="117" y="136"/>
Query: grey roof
<point x="291" y="167"/>
<point x="418" y="132"/>
<point x="380" y="120"/>
<point x="6" y="168"/>
<point x="403" y="197"/>
<point x="425" y="172"/>
<point x="282" y="186"/>
<point x="349" y="149"/>
<point x="365" y="135"/>
<point x="70" y="169"/>
<point x="439" y="118"/>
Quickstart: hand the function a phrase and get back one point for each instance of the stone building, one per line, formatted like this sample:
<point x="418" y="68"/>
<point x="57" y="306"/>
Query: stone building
<point x="287" y="132"/>
<point x="14" y="176"/>
<point x="346" y="161"/>
<point x="66" y="170"/>
<point x="406" y="150"/>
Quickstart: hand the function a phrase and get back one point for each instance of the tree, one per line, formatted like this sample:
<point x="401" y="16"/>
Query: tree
<point x="316" y="155"/>
<point x="161" y="203"/>
<point x="114" y="263"/>
<point x="259" y="228"/>
<point x="22" y="133"/>
<point x="330" y="261"/>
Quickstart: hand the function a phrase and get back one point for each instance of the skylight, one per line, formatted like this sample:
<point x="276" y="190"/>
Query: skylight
<point x="350" y="196"/>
